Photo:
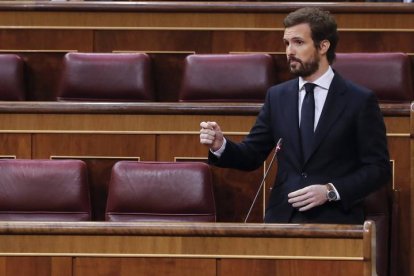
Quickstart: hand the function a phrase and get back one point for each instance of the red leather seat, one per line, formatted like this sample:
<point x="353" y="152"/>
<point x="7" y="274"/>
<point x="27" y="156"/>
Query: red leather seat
<point x="44" y="190"/>
<point x="12" y="86"/>
<point x="389" y="75"/>
<point x="160" y="191"/>
<point x="227" y="77"/>
<point x="106" y="77"/>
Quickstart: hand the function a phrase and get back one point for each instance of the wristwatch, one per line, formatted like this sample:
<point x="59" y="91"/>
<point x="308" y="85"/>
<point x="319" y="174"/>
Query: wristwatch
<point x="330" y="192"/>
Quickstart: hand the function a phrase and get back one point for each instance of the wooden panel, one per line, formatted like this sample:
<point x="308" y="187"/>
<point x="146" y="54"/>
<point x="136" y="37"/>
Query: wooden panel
<point x="397" y="126"/>
<point x="128" y="245"/>
<point x="398" y="143"/>
<point x="43" y="74"/>
<point x="45" y="40"/>
<point x="267" y="41"/>
<point x="99" y="145"/>
<point x="15" y="145"/>
<point x="401" y="161"/>
<point x="144" y="266"/>
<point x="61" y="266"/>
<point x="36" y="266"/>
<point x="152" y="40"/>
<point x="288" y="267"/>
<point x="203" y="14"/>
<point x="140" y="18"/>
<point x="192" y="240"/>
<point x="126" y="123"/>
<point x="168" y="71"/>
<point x="151" y="248"/>
<point x="376" y="41"/>
<point x="218" y="41"/>
<point x="374" y="20"/>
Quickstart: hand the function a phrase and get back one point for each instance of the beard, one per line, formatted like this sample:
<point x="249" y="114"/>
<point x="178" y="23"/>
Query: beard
<point x="304" y="69"/>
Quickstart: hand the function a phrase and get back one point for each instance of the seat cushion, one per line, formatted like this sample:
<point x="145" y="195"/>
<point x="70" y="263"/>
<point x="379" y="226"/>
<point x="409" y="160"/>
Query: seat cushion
<point x="54" y="190"/>
<point x="227" y="77"/>
<point x="12" y="85"/>
<point x="387" y="74"/>
<point x="160" y="191"/>
<point x="106" y="77"/>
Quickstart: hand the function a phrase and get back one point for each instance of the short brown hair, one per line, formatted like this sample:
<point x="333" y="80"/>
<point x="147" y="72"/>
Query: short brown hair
<point x="322" y="25"/>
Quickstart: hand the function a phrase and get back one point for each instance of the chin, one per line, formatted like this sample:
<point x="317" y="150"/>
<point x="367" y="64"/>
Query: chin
<point x="296" y="72"/>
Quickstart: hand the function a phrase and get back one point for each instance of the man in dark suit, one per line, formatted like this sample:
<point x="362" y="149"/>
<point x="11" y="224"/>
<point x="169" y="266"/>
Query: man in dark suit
<point x="322" y="175"/>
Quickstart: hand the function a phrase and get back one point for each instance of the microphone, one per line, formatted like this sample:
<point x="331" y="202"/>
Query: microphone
<point x="277" y="149"/>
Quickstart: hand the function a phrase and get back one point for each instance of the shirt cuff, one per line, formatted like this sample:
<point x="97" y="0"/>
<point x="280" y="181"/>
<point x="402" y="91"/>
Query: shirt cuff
<point x="338" y="197"/>
<point x="219" y="152"/>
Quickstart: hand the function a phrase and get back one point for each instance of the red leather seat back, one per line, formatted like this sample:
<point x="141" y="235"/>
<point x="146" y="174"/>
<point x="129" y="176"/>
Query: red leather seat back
<point x="12" y="83"/>
<point x="44" y="190"/>
<point x="227" y="77"/>
<point x="387" y="74"/>
<point x="106" y="77"/>
<point x="160" y="191"/>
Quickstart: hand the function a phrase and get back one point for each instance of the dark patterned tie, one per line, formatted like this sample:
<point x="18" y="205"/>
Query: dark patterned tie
<point x="307" y="120"/>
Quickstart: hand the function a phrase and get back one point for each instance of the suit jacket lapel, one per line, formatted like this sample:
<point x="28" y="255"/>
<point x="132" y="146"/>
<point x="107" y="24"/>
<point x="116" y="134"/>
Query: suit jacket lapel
<point x="334" y="105"/>
<point x="291" y="119"/>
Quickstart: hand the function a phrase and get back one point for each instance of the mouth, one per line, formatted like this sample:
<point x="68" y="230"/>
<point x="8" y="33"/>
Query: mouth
<point x="293" y="60"/>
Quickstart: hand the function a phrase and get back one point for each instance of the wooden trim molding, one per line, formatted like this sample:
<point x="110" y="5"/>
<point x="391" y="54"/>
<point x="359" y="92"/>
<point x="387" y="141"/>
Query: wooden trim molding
<point x="263" y="7"/>
<point x="193" y="108"/>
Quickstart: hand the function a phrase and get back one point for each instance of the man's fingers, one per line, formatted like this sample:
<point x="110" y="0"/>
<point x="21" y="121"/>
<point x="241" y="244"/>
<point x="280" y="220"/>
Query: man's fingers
<point x="301" y="201"/>
<point x="207" y="133"/>
<point x="208" y="125"/>
<point x="204" y="125"/>
<point x="307" y="207"/>
<point x="297" y="193"/>
<point x="206" y="141"/>
<point x="298" y="198"/>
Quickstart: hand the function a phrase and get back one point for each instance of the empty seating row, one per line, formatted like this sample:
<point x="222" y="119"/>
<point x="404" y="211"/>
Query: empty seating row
<point x="206" y="77"/>
<point x="58" y="190"/>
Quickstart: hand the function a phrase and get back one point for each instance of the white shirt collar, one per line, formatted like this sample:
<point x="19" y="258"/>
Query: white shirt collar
<point x="323" y="81"/>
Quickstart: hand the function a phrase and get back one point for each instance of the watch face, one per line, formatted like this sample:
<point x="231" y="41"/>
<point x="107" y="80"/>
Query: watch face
<point x="331" y="195"/>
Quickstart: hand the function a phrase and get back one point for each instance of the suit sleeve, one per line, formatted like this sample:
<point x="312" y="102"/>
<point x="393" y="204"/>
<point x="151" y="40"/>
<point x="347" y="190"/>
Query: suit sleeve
<point x="253" y="150"/>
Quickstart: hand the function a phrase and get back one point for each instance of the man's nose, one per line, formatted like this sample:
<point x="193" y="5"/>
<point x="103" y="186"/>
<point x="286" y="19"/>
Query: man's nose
<point x="289" y="50"/>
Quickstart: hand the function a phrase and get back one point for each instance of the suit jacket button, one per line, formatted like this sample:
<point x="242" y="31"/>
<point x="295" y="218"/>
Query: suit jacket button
<point x="304" y="175"/>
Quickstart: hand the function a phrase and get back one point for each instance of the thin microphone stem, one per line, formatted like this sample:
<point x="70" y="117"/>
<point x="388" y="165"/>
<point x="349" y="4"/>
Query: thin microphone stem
<point x="278" y="145"/>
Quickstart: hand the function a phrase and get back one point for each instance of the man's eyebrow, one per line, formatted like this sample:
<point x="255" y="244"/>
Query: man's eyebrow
<point x="292" y="38"/>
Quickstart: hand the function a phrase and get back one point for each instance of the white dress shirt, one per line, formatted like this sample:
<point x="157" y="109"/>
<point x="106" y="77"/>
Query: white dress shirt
<point x="320" y="93"/>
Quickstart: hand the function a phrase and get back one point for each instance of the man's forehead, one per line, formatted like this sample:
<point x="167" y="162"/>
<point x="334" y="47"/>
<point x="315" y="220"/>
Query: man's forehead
<point x="297" y="31"/>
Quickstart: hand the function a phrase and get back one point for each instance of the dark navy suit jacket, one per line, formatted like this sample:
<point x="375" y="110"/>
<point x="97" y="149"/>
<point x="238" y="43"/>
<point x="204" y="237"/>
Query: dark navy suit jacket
<point x="349" y="150"/>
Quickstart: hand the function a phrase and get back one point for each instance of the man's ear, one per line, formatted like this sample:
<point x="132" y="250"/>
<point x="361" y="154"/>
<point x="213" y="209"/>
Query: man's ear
<point x="324" y="46"/>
